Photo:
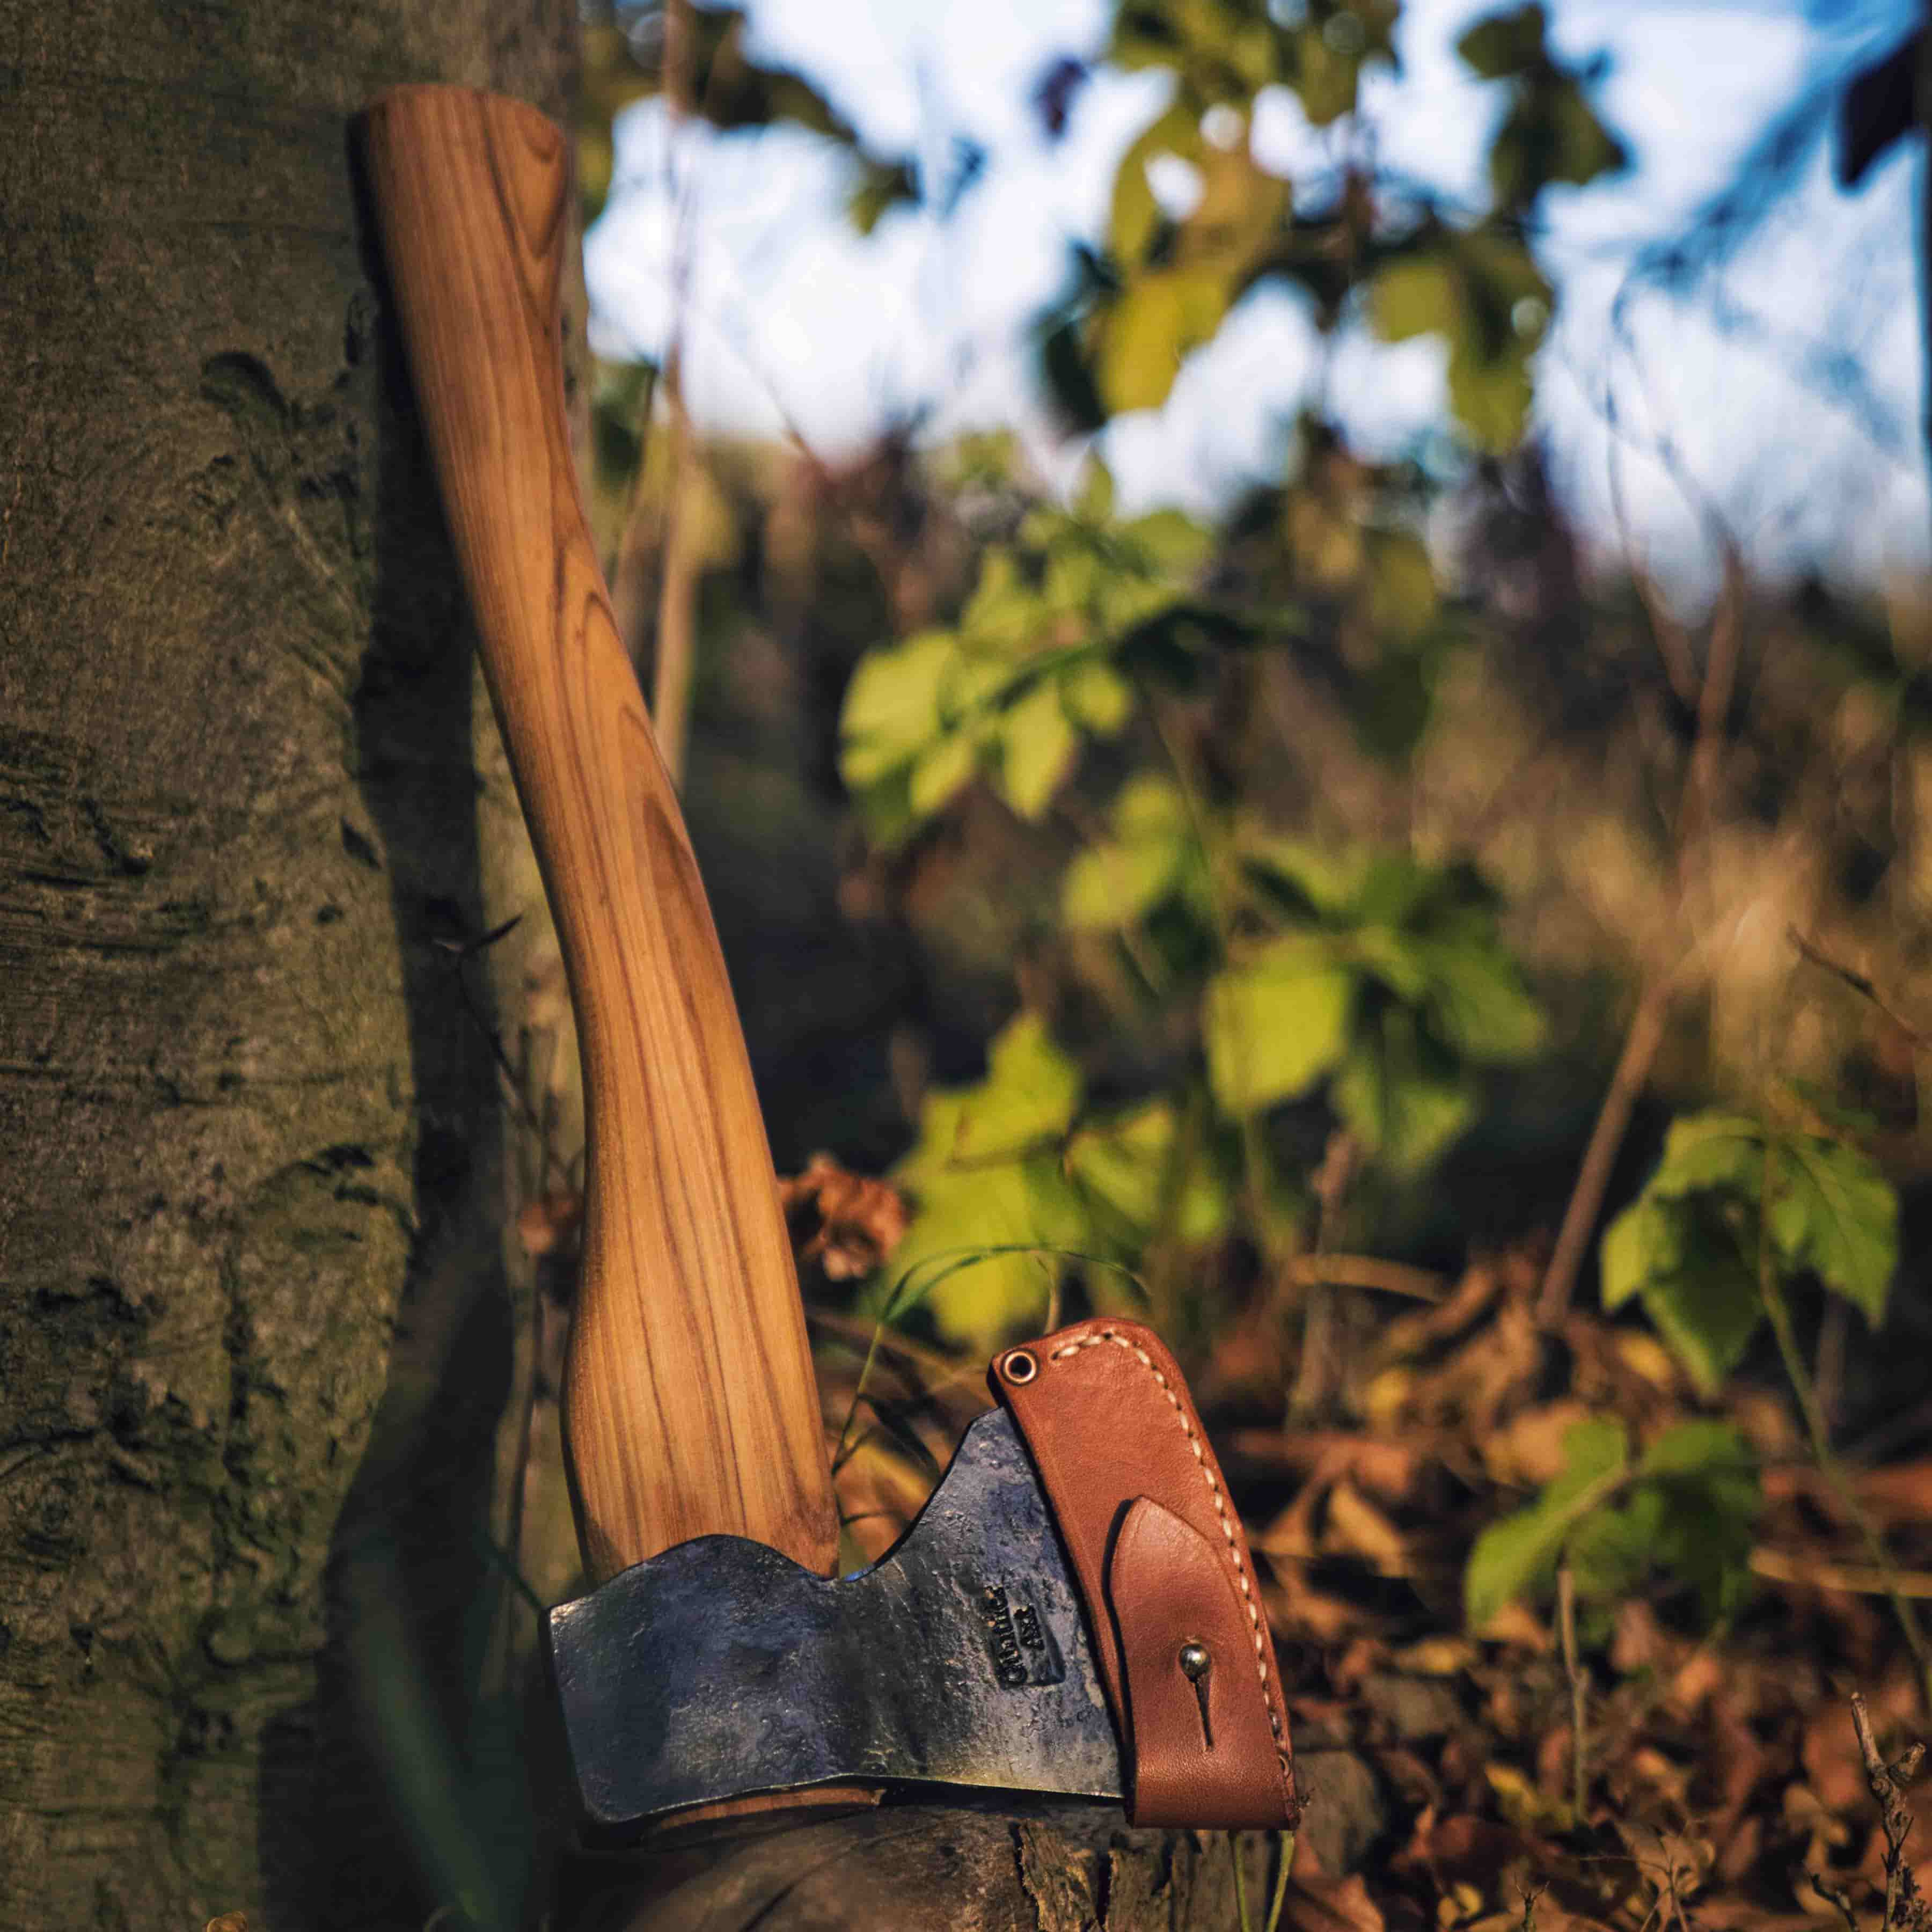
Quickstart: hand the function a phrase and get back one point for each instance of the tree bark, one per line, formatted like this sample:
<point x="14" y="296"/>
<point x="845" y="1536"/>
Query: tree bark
<point x="254" y="1337"/>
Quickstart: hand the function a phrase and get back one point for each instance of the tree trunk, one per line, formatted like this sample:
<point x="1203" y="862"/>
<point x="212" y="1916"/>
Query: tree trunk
<point x="257" y="1339"/>
<point x="254" y="1337"/>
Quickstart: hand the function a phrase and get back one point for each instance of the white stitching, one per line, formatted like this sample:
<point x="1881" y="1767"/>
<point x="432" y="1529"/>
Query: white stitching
<point x="1214" y="1490"/>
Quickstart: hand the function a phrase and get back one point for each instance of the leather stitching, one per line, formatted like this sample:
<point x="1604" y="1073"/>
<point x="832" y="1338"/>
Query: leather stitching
<point x="1121" y="1341"/>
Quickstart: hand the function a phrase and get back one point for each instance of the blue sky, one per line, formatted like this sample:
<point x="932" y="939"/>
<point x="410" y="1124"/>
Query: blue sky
<point x="1785" y="390"/>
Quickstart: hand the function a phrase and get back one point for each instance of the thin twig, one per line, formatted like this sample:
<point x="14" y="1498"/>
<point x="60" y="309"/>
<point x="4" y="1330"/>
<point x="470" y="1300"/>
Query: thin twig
<point x="1566" y="1620"/>
<point x="1372" y="1271"/>
<point x="1858" y="1579"/>
<point x="1903" y="1904"/>
<point x="1240" y="1881"/>
<point x="1281" y="1871"/>
<point x="1838" y="1896"/>
<point x="1606" y="1138"/>
<point x="1858" y="983"/>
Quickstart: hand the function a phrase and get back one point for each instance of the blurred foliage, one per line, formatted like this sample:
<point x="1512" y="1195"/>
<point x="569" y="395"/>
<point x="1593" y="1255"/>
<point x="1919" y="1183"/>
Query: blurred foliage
<point x="1735" y="1208"/>
<point x="1685" y="1506"/>
<point x="1168" y="274"/>
<point x="1261" y="969"/>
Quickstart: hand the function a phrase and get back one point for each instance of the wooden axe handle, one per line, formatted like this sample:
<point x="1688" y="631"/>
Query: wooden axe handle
<point x="690" y="1406"/>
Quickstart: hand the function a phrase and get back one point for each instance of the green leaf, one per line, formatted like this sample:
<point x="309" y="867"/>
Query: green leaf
<point x="1700" y="1450"/>
<point x="977" y="1298"/>
<point x="1403" y="1106"/>
<point x="1478" y="1001"/>
<point x="1708" y="1307"/>
<point x="1159" y="318"/>
<point x="1836" y="1214"/>
<point x="1274" y="1027"/>
<point x="892" y="707"/>
<point x="1504" y="43"/>
<point x="1003" y="616"/>
<point x="1122" y="1166"/>
<point x="1168" y="545"/>
<point x="1095" y="502"/>
<point x="1029" y="1094"/>
<point x="1039" y="746"/>
<point x="1123" y="879"/>
<point x="1416" y="295"/>
<point x="1641" y="1245"/>
<point x="1396" y="958"/>
<point x="1517" y="1554"/>
<point x="1491" y="400"/>
<point x="1705" y="1478"/>
<point x="1324" y="881"/>
<point x="986" y="1172"/>
<point x="941" y="773"/>
<point x="1707" y="1150"/>
<point x="1610" y="1548"/>
<point x="1403" y="598"/>
<point x="1136" y="217"/>
<point x="1097" y="698"/>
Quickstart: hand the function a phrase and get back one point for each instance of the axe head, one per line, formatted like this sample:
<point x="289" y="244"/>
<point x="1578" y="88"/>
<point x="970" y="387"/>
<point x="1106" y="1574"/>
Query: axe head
<point x="722" y="1668"/>
<point x="1074" y="1611"/>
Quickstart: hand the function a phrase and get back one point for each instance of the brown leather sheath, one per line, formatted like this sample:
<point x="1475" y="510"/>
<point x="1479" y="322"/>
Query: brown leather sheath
<point x="1172" y="1604"/>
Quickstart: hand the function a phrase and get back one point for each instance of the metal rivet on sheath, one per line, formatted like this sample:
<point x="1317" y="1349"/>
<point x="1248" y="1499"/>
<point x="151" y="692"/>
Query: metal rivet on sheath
<point x="1019" y="1366"/>
<point x="1195" y="1661"/>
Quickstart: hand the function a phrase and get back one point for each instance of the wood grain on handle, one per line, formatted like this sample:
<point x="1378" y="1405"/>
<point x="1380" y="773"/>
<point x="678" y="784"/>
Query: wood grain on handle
<point x="689" y="1406"/>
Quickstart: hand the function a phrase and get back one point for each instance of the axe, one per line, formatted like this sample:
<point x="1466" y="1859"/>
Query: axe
<point x="1076" y="1609"/>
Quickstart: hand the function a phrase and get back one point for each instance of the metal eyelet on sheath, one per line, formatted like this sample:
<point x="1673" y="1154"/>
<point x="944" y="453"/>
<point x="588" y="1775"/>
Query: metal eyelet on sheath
<point x="1019" y="1367"/>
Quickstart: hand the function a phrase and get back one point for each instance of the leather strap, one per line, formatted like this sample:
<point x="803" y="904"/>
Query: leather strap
<point x="1172" y="1603"/>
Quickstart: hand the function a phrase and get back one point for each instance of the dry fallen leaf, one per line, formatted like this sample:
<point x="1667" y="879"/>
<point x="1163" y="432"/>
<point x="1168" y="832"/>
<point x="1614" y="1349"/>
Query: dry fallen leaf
<point x="861" y="1220"/>
<point x="1331" y="1905"/>
<point x="229" y="1921"/>
<point x="1355" y="1527"/>
<point x="1527" y="1451"/>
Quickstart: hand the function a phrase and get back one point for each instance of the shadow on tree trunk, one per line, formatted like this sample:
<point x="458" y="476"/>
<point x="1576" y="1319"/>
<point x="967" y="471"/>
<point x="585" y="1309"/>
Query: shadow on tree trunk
<point x="389" y="1795"/>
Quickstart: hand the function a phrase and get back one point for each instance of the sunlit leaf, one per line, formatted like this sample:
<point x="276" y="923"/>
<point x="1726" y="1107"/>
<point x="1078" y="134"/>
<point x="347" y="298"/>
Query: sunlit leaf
<point x="1123" y="1165"/>
<point x="1136" y="215"/>
<point x="1416" y="296"/>
<point x="1038" y="746"/>
<point x="1159" y="318"/>
<point x="1274" y="1026"/>
<point x="986" y="1172"/>
<point x="1122" y="879"/>
<point x="892" y="707"/>
<point x="1097" y="697"/>
<point x="940" y="774"/>
<point x="1644" y="1242"/>
<point x="1003" y="614"/>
